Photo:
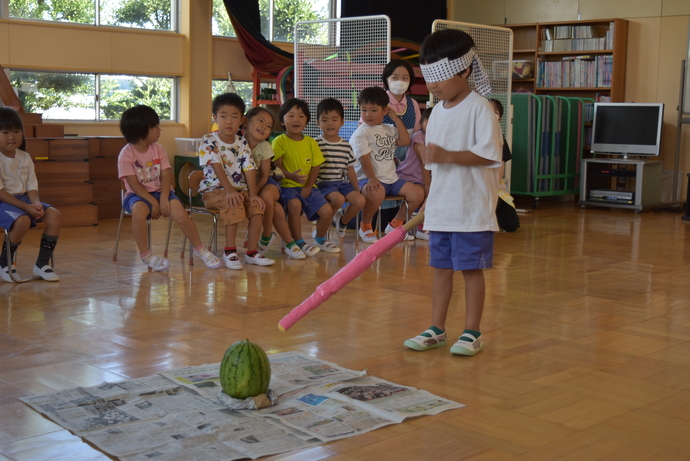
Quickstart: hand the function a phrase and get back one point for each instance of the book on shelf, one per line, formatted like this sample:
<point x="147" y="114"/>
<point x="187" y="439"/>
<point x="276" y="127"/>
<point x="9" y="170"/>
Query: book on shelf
<point x="575" y="73"/>
<point x="576" y="38"/>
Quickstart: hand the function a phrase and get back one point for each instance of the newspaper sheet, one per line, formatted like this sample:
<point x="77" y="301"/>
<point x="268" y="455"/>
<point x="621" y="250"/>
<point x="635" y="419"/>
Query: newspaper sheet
<point x="177" y="415"/>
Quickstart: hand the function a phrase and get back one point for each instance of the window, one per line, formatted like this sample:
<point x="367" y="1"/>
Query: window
<point x="244" y="90"/>
<point x="146" y="14"/>
<point x="84" y="96"/>
<point x="278" y="17"/>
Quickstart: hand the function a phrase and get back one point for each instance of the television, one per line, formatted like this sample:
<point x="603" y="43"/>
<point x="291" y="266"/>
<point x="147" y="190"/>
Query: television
<point x="627" y="128"/>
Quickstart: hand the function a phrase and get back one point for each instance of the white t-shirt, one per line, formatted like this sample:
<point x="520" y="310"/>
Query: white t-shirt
<point x="17" y="174"/>
<point x="378" y="141"/>
<point x="463" y="198"/>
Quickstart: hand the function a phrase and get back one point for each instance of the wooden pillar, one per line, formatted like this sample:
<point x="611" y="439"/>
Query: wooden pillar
<point x="195" y="85"/>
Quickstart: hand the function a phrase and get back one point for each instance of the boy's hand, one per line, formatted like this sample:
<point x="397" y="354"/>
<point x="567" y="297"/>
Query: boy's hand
<point x="296" y="176"/>
<point x="372" y="186"/>
<point x="35" y="210"/>
<point x="388" y="110"/>
<point x="155" y="210"/>
<point x="235" y="199"/>
<point x="306" y="191"/>
<point x="257" y="202"/>
<point x="436" y="154"/>
<point x="165" y="206"/>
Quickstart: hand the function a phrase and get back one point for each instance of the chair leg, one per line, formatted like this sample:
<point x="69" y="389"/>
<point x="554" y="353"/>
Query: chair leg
<point x="215" y="235"/>
<point x="117" y="237"/>
<point x="184" y="245"/>
<point x="11" y="263"/>
<point x="148" y="230"/>
<point x="378" y="223"/>
<point x="167" y="239"/>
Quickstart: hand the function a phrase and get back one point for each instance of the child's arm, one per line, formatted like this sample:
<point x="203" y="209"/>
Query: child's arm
<point x="309" y="184"/>
<point x="437" y="154"/>
<point x="235" y="199"/>
<point x="250" y="176"/>
<point x="426" y="174"/>
<point x="138" y="189"/>
<point x="31" y="209"/>
<point x="373" y="184"/>
<point x="293" y="175"/>
<point x="166" y="182"/>
<point x="264" y="173"/>
<point x="403" y="136"/>
<point x="352" y="177"/>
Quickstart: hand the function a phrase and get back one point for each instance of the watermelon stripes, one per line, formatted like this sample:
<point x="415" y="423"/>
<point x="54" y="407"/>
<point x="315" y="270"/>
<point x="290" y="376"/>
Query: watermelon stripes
<point x="245" y="370"/>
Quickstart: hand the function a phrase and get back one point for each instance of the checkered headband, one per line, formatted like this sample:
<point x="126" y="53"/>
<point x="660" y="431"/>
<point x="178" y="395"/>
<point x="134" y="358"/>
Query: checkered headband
<point x="445" y="69"/>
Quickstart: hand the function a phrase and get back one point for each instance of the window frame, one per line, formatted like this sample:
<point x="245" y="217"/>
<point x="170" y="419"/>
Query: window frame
<point x="174" y="94"/>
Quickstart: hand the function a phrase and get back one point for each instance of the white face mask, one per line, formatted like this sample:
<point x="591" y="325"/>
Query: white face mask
<point x="398" y="87"/>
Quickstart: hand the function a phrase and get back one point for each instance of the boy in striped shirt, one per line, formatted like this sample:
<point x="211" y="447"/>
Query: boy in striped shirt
<point x="337" y="179"/>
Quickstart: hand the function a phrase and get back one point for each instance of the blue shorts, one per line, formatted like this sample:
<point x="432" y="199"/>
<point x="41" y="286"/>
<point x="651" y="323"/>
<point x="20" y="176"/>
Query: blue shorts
<point x="310" y="206"/>
<point x="131" y="199"/>
<point x="391" y="189"/>
<point x="272" y="180"/>
<point x="344" y="188"/>
<point x="9" y="213"/>
<point x="461" y="251"/>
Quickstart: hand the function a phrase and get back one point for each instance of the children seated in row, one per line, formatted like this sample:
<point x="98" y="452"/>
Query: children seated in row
<point x="298" y="157"/>
<point x="144" y="167"/>
<point x="257" y="129"/>
<point x="229" y="183"/>
<point x="337" y="179"/>
<point x="374" y="143"/>
<point x="20" y="205"/>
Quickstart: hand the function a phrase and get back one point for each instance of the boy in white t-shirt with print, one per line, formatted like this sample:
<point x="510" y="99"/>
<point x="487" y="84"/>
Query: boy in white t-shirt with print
<point x="463" y="152"/>
<point x="374" y="143"/>
<point x="229" y="183"/>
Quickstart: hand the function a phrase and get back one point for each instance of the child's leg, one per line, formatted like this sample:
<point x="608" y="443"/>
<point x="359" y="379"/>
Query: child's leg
<point x="357" y="202"/>
<point x="230" y="237"/>
<point x="280" y="224"/>
<point x="414" y="194"/>
<point x="270" y="195"/>
<point x="442" y="287"/>
<point x="474" y="298"/>
<point x="140" y="212"/>
<point x="188" y="228"/>
<point x="254" y="231"/>
<point x="17" y="231"/>
<point x="53" y="221"/>
<point x="336" y="200"/>
<point x="373" y="200"/>
<point x="324" y="222"/>
<point x="294" y="207"/>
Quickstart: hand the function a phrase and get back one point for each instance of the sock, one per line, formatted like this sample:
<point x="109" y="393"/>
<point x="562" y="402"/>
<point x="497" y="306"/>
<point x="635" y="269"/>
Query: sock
<point x="264" y="241"/>
<point x="320" y="240"/>
<point x="300" y="242"/>
<point x="251" y="253"/>
<point x="230" y="250"/>
<point x="476" y="334"/>
<point x="146" y="256"/>
<point x="198" y="249"/>
<point x="438" y="331"/>
<point x="3" y="256"/>
<point x="48" y="243"/>
<point x="395" y="223"/>
<point x="291" y="244"/>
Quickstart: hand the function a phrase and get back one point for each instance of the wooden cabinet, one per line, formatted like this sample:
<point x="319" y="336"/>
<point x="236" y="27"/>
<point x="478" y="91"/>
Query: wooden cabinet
<point x="584" y="59"/>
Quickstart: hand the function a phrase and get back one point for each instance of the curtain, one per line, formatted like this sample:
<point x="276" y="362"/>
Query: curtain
<point x="262" y="54"/>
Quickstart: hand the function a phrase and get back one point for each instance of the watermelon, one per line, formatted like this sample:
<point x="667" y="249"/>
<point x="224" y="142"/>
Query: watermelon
<point x="245" y="370"/>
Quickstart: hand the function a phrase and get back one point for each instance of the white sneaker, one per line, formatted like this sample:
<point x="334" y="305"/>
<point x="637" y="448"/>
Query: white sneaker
<point x="295" y="252"/>
<point x="5" y="274"/>
<point x="211" y="260"/>
<point x="368" y="236"/>
<point x="422" y="234"/>
<point x="232" y="261"/>
<point x="390" y="229"/>
<point x="258" y="260"/>
<point x="309" y="250"/>
<point x="262" y="249"/>
<point x="327" y="246"/>
<point x="339" y="230"/>
<point x="46" y="273"/>
<point x="467" y="344"/>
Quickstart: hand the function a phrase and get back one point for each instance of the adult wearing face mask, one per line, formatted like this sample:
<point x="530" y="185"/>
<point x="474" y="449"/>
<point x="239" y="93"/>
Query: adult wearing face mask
<point x="397" y="78"/>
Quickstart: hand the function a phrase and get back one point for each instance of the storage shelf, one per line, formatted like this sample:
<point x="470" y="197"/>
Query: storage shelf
<point x="523" y="80"/>
<point x="602" y="88"/>
<point x="524" y="50"/>
<point x="573" y="53"/>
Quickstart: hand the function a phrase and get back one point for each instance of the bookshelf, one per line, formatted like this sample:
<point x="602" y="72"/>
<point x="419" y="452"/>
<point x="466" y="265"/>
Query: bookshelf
<point x="584" y="59"/>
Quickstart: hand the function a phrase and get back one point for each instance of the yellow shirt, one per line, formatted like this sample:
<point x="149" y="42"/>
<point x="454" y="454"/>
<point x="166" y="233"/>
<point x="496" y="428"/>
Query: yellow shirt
<point x="297" y="155"/>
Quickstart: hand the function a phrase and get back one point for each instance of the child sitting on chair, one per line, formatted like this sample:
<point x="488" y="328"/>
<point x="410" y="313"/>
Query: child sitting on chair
<point x="229" y="183"/>
<point x="337" y="179"/>
<point x="374" y="143"/>
<point x="300" y="158"/>
<point x="144" y="167"/>
<point x="20" y="207"/>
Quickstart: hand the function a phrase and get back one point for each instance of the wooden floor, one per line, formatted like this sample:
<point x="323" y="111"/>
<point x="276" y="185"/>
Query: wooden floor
<point x="586" y="326"/>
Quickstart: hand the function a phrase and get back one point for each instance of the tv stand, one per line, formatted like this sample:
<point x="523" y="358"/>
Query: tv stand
<point x="620" y="183"/>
